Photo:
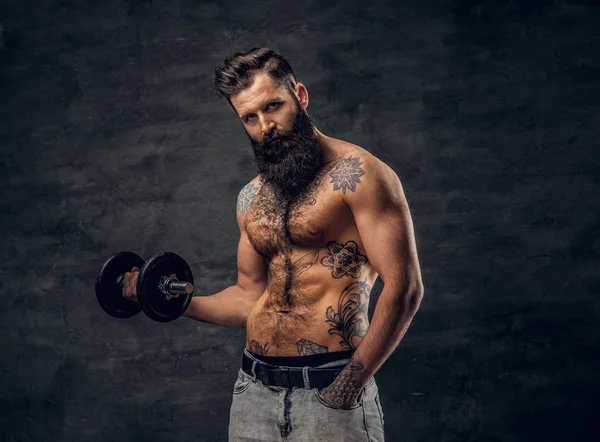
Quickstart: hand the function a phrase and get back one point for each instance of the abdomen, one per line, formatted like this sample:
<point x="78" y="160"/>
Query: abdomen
<point x="316" y="314"/>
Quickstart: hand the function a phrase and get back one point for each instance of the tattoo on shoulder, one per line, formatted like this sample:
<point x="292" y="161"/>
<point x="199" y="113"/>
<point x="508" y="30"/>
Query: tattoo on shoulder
<point x="344" y="259"/>
<point x="347" y="174"/>
<point x="245" y="198"/>
<point x="259" y="349"/>
<point x="306" y="347"/>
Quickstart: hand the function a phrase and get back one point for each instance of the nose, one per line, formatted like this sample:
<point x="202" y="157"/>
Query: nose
<point x="266" y="126"/>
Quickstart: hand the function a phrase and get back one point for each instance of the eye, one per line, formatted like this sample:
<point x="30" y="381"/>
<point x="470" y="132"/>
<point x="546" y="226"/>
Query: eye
<point x="273" y="105"/>
<point x="250" y="117"/>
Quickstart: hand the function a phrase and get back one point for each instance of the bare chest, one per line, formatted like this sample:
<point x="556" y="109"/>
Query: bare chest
<point x="275" y="228"/>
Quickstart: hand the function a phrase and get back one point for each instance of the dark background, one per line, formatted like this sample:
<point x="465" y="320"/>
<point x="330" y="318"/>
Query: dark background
<point x="112" y="138"/>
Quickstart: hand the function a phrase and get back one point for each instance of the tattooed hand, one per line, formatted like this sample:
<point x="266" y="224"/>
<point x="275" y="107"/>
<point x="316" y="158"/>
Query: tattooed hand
<point x="344" y="392"/>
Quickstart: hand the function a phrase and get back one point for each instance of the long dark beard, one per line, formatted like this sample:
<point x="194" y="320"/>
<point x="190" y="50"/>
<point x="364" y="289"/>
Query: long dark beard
<point x="289" y="161"/>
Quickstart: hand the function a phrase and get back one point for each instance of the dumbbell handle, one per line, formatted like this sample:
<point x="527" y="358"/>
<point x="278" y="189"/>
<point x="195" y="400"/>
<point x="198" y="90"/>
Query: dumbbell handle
<point x="173" y="287"/>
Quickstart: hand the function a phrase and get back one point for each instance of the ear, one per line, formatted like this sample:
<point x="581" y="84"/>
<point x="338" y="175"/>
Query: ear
<point x="302" y="95"/>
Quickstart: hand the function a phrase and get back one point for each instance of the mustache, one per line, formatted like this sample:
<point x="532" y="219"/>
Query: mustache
<point x="273" y="136"/>
<point x="276" y="137"/>
<point x="276" y="146"/>
<point x="301" y="128"/>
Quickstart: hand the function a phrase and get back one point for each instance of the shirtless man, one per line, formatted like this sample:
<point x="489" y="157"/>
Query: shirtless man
<point x="318" y="224"/>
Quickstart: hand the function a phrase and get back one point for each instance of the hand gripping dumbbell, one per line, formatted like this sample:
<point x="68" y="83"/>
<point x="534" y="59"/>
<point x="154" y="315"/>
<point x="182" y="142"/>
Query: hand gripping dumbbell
<point x="161" y="296"/>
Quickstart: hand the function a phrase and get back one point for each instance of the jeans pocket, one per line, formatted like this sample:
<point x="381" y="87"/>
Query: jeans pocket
<point x="361" y="397"/>
<point x="242" y="383"/>
<point x="331" y="407"/>
<point x="369" y="384"/>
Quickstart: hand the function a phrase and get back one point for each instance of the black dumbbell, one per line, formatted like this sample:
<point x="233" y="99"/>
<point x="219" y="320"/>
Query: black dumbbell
<point x="161" y="296"/>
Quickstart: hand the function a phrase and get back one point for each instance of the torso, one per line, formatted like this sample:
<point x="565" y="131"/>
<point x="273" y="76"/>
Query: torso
<point x="320" y="278"/>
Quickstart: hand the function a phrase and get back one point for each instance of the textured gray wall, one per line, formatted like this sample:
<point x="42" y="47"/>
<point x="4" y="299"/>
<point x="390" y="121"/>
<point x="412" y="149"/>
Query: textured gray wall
<point x="112" y="139"/>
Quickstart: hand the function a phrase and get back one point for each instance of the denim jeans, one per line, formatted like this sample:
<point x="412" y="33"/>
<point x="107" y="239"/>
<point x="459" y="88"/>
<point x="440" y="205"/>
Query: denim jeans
<point x="265" y="413"/>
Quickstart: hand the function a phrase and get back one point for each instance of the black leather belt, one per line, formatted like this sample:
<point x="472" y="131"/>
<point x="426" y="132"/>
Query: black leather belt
<point x="289" y="377"/>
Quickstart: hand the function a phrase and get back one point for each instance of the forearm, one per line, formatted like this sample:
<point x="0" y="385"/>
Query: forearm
<point x="229" y="307"/>
<point x="392" y="317"/>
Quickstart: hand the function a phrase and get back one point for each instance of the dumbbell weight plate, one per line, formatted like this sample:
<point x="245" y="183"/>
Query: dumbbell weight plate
<point x="109" y="288"/>
<point x="154" y="302"/>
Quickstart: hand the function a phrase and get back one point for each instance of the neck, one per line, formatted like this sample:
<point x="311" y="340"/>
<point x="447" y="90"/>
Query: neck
<point x="324" y="143"/>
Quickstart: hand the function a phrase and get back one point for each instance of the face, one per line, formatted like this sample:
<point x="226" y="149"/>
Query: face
<point x="286" y="151"/>
<point x="264" y="107"/>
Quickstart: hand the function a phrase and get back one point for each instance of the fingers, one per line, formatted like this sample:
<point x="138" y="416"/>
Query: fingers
<point x="130" y="283"/>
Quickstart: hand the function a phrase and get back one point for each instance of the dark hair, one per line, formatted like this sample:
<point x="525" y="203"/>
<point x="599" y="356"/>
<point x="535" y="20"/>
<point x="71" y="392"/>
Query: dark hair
<point x="238" y="71"/>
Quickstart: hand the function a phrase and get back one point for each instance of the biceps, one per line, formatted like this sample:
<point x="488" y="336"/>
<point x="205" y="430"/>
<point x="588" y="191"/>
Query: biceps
<point x="252" y="267"/>
<point x="390" y="246"/>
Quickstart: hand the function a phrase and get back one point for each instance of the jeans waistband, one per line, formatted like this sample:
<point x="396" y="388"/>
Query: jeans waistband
<point x="290" y="377"/>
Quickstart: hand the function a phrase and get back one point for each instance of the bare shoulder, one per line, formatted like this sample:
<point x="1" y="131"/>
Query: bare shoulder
<point x="247" y="195"/>
<point x="360" y="173"/>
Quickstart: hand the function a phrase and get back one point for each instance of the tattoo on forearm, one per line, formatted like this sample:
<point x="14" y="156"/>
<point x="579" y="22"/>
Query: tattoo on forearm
<point x="245" y="198"/>
<point x="306" y="347"/>
<point x="257" y="348"/>
<point x="344" y="259"/>
<point x="350" y="321"/>
<point x="346" y="386"/>
<point x="347" y="174"/>
<point x="354" y="365"/>
<point x="302" y="264"/>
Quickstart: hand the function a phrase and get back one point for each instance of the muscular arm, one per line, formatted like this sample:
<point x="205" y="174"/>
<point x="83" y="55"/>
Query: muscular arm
<point x="230" y="307"/>
<point x="381" y="213"/>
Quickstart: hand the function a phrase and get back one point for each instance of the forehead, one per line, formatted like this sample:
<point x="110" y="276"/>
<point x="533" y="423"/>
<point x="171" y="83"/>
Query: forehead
<point x="261" y="91"/>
